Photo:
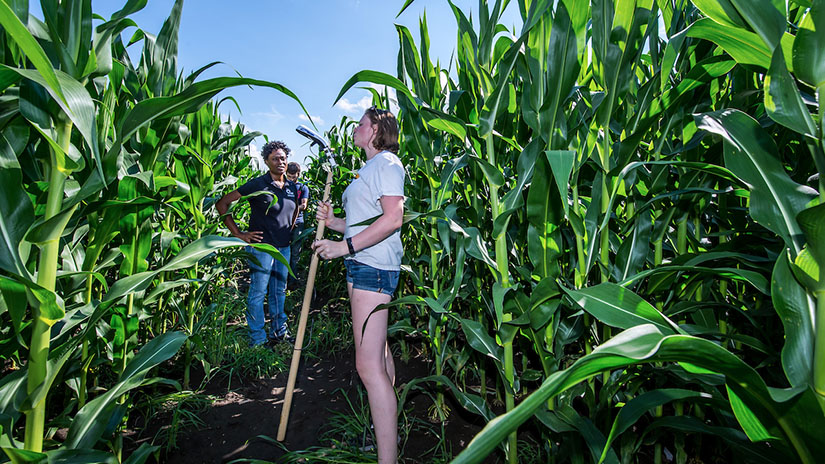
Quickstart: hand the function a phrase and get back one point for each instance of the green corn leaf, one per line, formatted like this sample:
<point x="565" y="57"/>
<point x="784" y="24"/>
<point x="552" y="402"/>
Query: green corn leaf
<point x="561" y="164"/>
<point x="478" y="338"/>
<point x="75" y="317"/>
<point x="18" y="32"/>
<point x="752" y="155"/>
<point x="492" y="174"/>
<point x="782" y="100"/>
<point x="719" y="171"/>
<point x="53" y="368"/>
<point x="16" y="210"/>
<point x="672" y="49"/>
<point x="562" y="70"/>
<point x="542" y="313"/>
<point x="754" y="428"/>
<point x="754" y="278"/>
<point x="472" y="403"/>
<point x="417" y="300"/>
<point x="444" y="122"/>
<point x="543" y="291"/>
<point x="809" y="46"/>
<point x="52" y="229"/>
<point x="187" y="257"/>
<point x="579" y="12"/>
<point x="404" y="7"/>
<point x="131" y="7"/>
<point x="142" y="454"/>
<point x="812" y="222"/>
<point x="79" y="456"/>
<point x="25" y="456"/>
<point x="593" y="437"/>
<point x="745" y="47"/>
<point x="12" y="395"/>
<point x="75" y="102"/>
<point x="721" y="11"/>
<point x="764" y="19"/>
<point x="189" y="100"/>
<point x="46" y="301"/>
<point x="14" y="301"/>
<point x="88" y="423"/>
<point x="544" y="212"/>
<point x="375" y="77"/>
<point x="635" y="248"/>
<point x="781" y="412"/>
<point x="492" y="103"/>
<point x="161" y="54"/>
<point x="756" y="453"/>
<point x="412" y="63"/>
<point x="619" y="307"/>
<point x="634" y="409"/>
<point x="806" y="269"/>
<point x="161" y="289"/>
<point x="525" y="167"/>
<point x="448" y="175"/>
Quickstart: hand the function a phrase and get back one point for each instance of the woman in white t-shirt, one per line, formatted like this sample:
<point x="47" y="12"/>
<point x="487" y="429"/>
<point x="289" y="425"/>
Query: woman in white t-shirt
<point x="373" y="261"/>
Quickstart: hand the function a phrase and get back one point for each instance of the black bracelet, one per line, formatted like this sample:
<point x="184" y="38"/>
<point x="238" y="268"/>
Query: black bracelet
<point x="350" y="247"/>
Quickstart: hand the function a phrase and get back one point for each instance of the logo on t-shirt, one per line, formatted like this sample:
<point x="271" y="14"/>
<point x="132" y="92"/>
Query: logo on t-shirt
<point x="290" y="193"/>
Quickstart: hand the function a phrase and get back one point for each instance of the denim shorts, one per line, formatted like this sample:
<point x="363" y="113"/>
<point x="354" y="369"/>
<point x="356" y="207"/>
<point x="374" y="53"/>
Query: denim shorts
<point x="364" y="277"/>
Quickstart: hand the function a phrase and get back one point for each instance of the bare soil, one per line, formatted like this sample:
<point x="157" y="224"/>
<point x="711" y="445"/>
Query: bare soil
<point x="233" y="424"/>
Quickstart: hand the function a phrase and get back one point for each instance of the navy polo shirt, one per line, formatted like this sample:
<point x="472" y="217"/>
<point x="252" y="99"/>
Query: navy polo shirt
<point x="272" y="210"/>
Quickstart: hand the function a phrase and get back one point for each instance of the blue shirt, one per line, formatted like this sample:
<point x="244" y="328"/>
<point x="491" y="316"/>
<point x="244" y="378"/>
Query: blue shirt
<point x="272" y="209"/>
<point x="303" y="194"/>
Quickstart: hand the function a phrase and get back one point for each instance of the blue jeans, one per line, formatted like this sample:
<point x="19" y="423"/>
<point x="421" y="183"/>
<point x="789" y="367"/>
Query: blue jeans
<point x="271" y="274"/>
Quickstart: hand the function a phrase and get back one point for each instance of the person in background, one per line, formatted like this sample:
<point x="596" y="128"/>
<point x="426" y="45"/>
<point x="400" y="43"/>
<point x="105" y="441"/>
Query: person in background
<point x="293" y="172"/>
<point x="373" y="262"/>
<point x="273" y="200"/>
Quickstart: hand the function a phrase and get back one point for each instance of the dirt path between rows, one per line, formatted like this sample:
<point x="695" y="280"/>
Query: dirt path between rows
<point x="232" y="424"/>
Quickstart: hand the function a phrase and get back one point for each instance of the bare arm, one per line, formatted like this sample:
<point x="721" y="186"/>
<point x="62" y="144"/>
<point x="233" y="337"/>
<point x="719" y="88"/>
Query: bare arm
<point x="324" y="213"/>
<point x="390" y="220"/>
<point x="223" y="206"/>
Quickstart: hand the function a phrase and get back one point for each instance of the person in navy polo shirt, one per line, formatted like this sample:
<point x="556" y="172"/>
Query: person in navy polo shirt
<point x="273" y="200"/>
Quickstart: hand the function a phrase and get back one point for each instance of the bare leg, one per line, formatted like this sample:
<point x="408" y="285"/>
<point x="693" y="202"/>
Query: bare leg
<point x="389" y="363"/>
<point x="376" y="368"/>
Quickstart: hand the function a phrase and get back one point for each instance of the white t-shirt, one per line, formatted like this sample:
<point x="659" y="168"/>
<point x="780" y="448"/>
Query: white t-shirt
<point x="382" y="175"/>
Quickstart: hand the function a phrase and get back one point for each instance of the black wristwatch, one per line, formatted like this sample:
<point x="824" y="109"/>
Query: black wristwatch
<point x="350" y="247"/>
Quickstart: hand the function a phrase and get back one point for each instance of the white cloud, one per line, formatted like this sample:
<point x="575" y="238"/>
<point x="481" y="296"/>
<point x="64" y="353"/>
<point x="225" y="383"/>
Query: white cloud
<point x="365" y="102"/>
<point x="269" y="117"/>
<point x="317" y="119"/>
<point x="357" y="107"/>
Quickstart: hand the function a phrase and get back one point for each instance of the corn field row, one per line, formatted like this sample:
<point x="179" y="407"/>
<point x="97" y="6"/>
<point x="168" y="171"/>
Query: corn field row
<point x="109" y="249"/>
<point x="615" y="221"/>
<point x="613" y="241"/>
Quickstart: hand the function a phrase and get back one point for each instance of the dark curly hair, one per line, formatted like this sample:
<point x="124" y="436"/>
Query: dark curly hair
<point x="274" y="146"/>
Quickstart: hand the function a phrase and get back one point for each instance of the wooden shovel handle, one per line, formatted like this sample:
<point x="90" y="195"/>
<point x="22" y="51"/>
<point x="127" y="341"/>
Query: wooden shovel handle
<point x="302" y="324"/>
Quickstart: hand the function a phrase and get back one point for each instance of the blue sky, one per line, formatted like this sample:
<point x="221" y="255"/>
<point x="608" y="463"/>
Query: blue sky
<point x="311" y="47"/>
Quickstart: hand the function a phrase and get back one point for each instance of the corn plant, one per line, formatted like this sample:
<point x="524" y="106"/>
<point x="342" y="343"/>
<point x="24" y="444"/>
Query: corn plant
<point x="89" y="144"/>
<point x="633" y="166"/>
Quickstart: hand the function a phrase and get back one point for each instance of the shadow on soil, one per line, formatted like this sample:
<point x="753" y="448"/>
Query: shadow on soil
<point x="240" y="413"/>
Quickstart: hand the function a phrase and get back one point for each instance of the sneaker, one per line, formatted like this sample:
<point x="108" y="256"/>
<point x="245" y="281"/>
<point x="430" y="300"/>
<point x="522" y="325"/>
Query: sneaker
<point x="283" y="335"/>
